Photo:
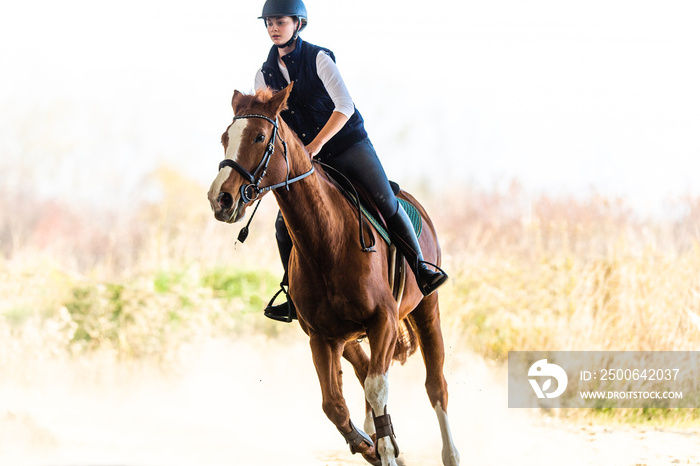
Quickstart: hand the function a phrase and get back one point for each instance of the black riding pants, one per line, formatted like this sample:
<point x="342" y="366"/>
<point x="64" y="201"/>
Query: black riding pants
<point x="361" y="165"/>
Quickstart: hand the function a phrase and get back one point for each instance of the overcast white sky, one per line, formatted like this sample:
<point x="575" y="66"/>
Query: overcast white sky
<point x="566" y="96"/>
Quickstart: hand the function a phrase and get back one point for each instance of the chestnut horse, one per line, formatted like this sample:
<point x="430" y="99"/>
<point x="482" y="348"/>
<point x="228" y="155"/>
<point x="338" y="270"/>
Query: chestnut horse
<point x="341" y="293"/>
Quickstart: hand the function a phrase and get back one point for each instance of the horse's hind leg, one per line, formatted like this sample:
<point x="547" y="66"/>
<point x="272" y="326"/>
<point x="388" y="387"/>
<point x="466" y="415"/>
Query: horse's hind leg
<point x="426" y="318"/>
<point x="326" y="355"/>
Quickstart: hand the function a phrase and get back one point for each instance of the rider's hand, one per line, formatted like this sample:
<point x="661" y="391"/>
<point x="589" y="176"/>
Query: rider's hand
<point x="314" y="148"/>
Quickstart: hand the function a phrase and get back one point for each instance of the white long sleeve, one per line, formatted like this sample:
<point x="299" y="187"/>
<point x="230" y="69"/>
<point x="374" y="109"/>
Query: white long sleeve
<point x="259" y="80"/>
<point x="334" y="84"/>
<point x="330" y="77"/>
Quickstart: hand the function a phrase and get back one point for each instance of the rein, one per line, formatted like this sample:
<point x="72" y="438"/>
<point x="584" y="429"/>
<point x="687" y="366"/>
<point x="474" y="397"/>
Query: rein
<point x="354" y="199"/>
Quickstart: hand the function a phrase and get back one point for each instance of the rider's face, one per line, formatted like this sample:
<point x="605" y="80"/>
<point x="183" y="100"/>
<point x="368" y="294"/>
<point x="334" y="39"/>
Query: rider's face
<point x="281" y="29"/>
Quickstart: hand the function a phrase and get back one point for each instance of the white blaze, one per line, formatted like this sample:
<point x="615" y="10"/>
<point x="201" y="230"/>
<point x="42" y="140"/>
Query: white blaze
<point x="235" y="135"/>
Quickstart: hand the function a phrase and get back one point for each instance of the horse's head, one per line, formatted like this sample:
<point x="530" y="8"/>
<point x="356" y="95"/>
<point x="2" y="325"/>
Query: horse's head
<point x="254" y="154"/>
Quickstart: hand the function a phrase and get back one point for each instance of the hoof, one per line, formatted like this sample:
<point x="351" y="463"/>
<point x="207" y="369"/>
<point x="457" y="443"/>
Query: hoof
<point x="369" y="453"/>
<point x="373" y="462"/>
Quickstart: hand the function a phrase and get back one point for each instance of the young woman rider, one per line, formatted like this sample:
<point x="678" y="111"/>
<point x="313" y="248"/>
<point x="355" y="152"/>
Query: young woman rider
<point x="324" y="117"/>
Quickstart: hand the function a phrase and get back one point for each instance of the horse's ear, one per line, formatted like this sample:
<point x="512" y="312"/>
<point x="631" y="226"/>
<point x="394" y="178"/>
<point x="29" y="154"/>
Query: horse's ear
<point x="278" y="102"/>
<point x="236" y="102"/>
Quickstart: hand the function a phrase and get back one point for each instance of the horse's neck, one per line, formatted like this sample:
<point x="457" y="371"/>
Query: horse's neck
<point x="312" y="209"/>
<point x="313" y="219"/>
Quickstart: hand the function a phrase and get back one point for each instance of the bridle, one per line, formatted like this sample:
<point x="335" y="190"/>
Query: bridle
<point x="253" y="190"/>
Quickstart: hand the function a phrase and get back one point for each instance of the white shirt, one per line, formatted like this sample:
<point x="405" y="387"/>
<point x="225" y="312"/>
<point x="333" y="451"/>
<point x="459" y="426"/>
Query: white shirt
<point x="330" y="77"/>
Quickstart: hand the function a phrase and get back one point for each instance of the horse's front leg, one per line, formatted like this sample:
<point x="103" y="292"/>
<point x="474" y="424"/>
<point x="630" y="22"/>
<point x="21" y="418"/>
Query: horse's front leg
<point x="360" y="362"/>
<point x="382" y="339"/>
<point x="326" y="355"/>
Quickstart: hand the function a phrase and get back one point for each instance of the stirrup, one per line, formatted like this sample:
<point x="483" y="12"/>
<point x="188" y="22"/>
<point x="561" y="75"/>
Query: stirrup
<point x="284" y="312"/>
<point x="438" y="278"/>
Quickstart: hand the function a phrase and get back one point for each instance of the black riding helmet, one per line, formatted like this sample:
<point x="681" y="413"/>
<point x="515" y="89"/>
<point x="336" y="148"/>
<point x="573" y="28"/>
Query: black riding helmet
<point x="294" y="8"/>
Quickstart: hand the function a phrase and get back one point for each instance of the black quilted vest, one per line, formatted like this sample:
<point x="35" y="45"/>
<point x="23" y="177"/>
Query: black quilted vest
<point x="309" y="104"/>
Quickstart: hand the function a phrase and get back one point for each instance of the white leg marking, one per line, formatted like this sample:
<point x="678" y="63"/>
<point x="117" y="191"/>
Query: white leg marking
<point x="450" y="455"/>
<point x="377" y="395"/>
<point x="377" y="392"/>
<point x="369" y="423"/>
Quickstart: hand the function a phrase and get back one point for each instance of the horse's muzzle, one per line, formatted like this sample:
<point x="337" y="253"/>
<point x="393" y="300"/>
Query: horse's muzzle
<point x="223" y="216"/>
<point x="225" y="201"/>
<point x="226" y="209"/>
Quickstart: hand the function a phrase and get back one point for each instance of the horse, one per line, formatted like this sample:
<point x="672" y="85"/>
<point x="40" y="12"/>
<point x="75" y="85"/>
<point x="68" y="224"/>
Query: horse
<point x="341" y="293"/>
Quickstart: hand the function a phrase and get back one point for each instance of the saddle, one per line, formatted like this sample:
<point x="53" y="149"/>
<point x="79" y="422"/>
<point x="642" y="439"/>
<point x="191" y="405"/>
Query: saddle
<point x="369" y="214"/>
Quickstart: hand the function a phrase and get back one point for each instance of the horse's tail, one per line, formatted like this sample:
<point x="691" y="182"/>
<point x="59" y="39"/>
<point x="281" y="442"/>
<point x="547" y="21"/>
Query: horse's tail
<point x="406" y="340"/>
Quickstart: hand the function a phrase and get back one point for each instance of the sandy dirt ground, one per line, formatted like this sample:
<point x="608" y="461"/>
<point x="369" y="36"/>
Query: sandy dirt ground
<point x="257" y="402"/>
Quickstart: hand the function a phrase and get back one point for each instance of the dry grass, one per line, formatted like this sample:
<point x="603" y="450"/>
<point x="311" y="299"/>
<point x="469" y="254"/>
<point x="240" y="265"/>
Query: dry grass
<point x="135" y="283"/>
<point x="565" y="274"/>
<point x="528" y="273"/>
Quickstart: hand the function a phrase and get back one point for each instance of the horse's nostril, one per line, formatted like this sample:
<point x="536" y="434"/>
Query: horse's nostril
<point x="225" y="200"/>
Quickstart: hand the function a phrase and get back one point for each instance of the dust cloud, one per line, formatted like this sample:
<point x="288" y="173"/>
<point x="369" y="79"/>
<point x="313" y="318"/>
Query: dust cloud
<point x="257" y="402"/>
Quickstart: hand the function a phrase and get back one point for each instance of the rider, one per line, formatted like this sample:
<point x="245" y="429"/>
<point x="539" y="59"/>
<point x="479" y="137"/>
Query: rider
<point x="321" y="112"/>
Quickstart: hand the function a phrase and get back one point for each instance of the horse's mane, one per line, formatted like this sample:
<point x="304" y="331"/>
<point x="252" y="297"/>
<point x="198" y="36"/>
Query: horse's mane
<point x="263" y="94"/>
<point x="257" y="99"/>
<point x="250" y="103"/>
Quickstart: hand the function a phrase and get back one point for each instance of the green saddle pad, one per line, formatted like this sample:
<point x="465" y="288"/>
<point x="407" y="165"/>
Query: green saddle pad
<point x="410" y="209"/>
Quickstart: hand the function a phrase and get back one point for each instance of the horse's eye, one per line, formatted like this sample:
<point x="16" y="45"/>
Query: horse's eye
<point x="260" y="138"/>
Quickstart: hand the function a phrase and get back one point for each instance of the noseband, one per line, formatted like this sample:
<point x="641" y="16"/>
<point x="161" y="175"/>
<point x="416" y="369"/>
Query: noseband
<point x="252" y="190"/>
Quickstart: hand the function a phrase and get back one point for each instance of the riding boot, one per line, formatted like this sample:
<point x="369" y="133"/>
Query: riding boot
<point x="286" y="311"/>
<point x="403" y="235"/>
